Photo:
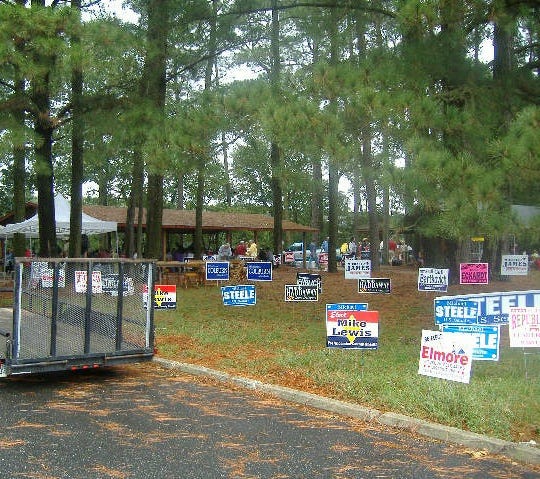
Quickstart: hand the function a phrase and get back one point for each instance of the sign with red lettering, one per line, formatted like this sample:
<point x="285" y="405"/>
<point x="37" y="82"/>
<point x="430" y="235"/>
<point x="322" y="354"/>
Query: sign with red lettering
<point x="446" y="355"/>
<point x="524" y="327"/>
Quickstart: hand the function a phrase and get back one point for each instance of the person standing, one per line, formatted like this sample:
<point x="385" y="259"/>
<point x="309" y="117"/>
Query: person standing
<point x="240" y="249"/>
<point x="352" y="248"/>
<point x="324" y="245"/>
<point x="225" y="252"/>
<point x="252" y="249"/>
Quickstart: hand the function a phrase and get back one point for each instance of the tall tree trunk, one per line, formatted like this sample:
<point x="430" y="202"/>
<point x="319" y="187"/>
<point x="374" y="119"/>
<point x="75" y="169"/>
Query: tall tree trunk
<point x="275" y="150"/>
<point x="77" y="149"/>
<point x="43" y="128"/>
<point x="154" y="85"/>
<point x="19" y="160"/>
<point x="333" y="170"/>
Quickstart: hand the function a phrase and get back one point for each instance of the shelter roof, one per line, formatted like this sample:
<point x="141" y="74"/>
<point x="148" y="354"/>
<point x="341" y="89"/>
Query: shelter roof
<point x="212" y="220"/>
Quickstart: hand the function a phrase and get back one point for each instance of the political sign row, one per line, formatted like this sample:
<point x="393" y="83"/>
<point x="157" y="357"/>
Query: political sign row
<point x="470" y="329"/>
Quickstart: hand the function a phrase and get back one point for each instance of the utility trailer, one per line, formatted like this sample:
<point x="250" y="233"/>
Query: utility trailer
<point x="78" y="313"/>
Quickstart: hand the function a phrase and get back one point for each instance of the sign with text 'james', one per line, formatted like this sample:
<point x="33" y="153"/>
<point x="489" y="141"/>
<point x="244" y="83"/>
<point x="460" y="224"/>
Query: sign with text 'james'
<point x="494" y="308"/>
<point x="351" y="326"/>
<point x="217" y="270"/>
<point x="241" y="295"/>
<point x="514" y="264"/>
<point x="259" y="271"/>
<point x="301" y="292"/>
<point x="357" y="268"/>
<point x="374" y="285"/>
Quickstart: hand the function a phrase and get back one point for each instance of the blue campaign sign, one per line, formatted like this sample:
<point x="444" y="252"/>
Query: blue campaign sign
<point x="486" y="339"/>
<point x="494" y="308"/>
<point x="259" y="271"/>
<point x="217" y="270"/>
<point x="241" y="295"/>
<point x="455" y="311"/>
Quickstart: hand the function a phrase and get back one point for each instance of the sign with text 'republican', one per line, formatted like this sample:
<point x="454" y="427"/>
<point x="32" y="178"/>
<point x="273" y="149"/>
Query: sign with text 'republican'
<point x="433" y="279"/>
<point x="446" y="355"/>
<point x="474" y="273"/>
<point x="351" y="326"/>
<point x="494" y="308"/>
<point x="241" y="295"/>
<point x="524" y="327"/>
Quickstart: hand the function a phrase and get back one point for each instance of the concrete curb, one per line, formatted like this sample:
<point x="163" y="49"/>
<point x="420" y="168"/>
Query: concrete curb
<point x="520" y="452"/>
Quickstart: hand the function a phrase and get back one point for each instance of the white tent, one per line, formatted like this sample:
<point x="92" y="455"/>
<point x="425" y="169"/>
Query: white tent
<point x="30" y="227"/>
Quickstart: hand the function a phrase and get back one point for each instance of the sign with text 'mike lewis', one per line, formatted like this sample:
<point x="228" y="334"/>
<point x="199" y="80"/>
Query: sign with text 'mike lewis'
<point x="351" y="326"/>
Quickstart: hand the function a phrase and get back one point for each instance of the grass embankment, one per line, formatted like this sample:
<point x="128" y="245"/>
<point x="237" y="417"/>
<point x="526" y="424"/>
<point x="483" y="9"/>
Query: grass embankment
<point x="284" y="343"/>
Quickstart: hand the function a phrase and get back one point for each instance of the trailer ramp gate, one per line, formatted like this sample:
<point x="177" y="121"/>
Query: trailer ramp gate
<point x="79" y="313"/>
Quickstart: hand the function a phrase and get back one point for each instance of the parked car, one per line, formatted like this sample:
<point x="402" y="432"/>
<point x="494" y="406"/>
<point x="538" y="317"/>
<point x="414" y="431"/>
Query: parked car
<point x="298" y="248"/>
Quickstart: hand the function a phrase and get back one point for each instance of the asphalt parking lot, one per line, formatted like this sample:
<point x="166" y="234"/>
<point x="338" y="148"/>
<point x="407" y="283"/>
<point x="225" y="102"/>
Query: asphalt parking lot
<point x="150" y="422"/>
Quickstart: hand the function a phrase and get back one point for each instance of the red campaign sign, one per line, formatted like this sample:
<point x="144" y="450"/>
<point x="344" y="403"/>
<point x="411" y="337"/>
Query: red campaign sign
<point x="288" y="257"/>
<point x="323" y="258"/>
<point x="473" y="273"/>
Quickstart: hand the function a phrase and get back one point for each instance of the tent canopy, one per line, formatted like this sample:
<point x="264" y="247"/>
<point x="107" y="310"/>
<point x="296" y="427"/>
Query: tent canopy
<point x="62" y="210"/>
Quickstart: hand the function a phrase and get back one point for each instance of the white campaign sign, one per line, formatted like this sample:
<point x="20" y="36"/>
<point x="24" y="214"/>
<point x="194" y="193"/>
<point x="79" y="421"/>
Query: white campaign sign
<point x="446" y="355"/>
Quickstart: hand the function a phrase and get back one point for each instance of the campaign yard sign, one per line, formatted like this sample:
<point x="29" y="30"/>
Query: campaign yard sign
<point x="494" y="308"/>
<point x="164" y="296"/>
<point x="433" y="279"/>
<point x="357" y="268"/>
<point x="81" y="281"/>
<point x="109" y="284"/>
<point x="241" y="295"/>
<point x="374" y="285"/>
<point x="351" y="326"/>
<point x="486" y="339"/>
<point x="301" y="292"/>
<point x="514" y="265"/>
<point x="446" y="356"/>
<point x="455" y="311"/>
<point x="473" y="273"/>
<point x="259" y="271"/>
<point x="524" y="327"/>
<point x="217" y="270"/>
<point x="310" y="279"/>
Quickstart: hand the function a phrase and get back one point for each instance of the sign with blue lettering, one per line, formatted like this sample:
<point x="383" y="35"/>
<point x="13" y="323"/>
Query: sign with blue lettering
<point x="486" y="339"/>
<point x="351" y="326"/>
<point x="241" y="295"/>
<point x="494" y="308"/>
<point x="433" y="279"/>
<point x="455" y="311"/>
<point x="217" y="271"/>
<point x="259" y="271"/>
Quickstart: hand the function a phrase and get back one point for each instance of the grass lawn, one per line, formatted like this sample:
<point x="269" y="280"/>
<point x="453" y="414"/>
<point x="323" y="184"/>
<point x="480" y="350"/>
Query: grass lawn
<point x="285" y="343"/>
